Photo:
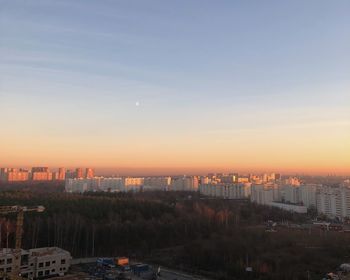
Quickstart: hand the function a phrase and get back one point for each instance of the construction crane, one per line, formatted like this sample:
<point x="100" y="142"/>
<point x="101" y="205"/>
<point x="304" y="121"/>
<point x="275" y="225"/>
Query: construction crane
<point x="19" y="210"/>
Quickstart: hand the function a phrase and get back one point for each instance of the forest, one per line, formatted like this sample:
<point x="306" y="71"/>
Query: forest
<point x="216" y="238"/>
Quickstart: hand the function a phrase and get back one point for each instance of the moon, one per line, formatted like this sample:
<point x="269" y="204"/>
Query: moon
<point x="137" y="104"/>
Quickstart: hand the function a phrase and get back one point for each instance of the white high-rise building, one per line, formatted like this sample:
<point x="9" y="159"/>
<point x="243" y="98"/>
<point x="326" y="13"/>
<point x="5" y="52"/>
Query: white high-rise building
<point x="333" y="201"/>
<point x="262" y="195"/>
<point x="226" y="191"/>
<point x="307" y="195"/>
<point x="290" y="194"/>
<point x="205" y="180"/>
<point x="94" y="184"/>
<point x="247" y="189"/>
<point x="185" y="183"/>
<point x="157" y="183"/>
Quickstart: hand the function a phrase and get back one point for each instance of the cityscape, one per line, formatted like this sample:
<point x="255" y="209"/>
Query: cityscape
<point x="174" y="140"/>
<point x="273" y="189"/>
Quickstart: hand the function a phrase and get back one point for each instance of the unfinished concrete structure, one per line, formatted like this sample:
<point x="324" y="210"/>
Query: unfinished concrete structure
<point x="36" y="263"/>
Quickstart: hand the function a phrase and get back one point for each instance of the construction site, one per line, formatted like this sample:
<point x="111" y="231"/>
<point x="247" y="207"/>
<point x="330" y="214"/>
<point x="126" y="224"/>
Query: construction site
<point x="53" y="262"/>
<point x="17" y="263"/>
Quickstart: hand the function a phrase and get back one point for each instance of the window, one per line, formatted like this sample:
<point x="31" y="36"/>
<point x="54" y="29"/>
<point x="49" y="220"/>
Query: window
<point x="47" y="264"/>
<point x="47" y="272"/>
<point x="63" y="261"/>
<point x="9" y="261"/>
<point x="24" y="260"/>
<point x="41" y="264"/>
<point x="40" y="273"/>
<point x="53" y="262"/>
<point x="52" y="270"/>
<point x="8" y="269"/>
<point x="31" y="264"/>
<point x="2" y="261"/>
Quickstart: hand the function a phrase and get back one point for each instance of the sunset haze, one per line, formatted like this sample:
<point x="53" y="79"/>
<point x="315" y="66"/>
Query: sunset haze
<point x="176" y="86"/>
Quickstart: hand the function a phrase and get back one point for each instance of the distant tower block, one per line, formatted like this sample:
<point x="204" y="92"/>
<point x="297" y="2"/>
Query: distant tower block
<point x="61" y="174"/>
<point x="79" y="173"/>
<point x="89" y="173"/>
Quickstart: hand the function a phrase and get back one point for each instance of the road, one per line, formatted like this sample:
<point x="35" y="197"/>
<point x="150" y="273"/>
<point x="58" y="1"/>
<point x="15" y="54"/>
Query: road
<point x="167" y="274"/>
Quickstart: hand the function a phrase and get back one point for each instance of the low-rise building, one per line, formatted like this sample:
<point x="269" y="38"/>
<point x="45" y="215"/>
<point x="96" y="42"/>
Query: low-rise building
<point x="36" y="263"/>
<point x="290" y="207"/>
<point x="49" y="261"/>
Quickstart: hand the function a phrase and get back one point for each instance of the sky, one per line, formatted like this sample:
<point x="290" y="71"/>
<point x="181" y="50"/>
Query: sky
<point x="176" y="86"/>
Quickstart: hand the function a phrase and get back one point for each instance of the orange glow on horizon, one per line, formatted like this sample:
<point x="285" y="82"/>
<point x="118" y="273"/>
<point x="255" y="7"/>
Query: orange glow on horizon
<point x="311" y="149"/>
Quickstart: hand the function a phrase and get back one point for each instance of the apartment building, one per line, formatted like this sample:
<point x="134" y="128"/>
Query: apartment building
<point x="334" y="202"/>
<point x="185" y="183"/>
<point x="226" y="191"/>
<point x="307" y="194"/>
<point x="261" y="194"/>
<point x="61" y="174"/>
<point x="14" y="175"/>
<point x="41" y="174"/>
<point x="156" y="183"/>
<point x="290" y="193"/>
<point x="113" y="184"/>
<point x="89" y="173"/>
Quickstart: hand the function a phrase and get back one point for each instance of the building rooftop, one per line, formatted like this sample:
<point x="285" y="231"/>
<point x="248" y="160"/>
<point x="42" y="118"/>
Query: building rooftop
<point x="45" y="251"/>
<point x="8" y="251"/>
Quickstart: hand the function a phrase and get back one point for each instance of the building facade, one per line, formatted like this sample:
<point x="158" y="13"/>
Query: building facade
<point x="36" y="263"/>
<point x="334" y="202"/>
<point x="89" y="173"/>
<point x="41" y="174"/>
<point x="14" y="175"/>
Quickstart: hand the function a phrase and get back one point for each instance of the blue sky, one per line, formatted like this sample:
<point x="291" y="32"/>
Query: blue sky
<point x="225" y="71"/>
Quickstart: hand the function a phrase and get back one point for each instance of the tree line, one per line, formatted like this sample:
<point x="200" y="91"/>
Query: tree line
<point x="218" y="238"/>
